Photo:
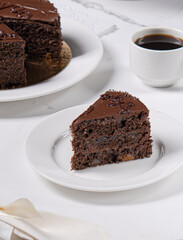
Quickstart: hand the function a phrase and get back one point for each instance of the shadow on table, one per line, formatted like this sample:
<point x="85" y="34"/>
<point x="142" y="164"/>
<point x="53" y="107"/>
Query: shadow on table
<point x="82" y="92"/>
<point x="166" y="188"/>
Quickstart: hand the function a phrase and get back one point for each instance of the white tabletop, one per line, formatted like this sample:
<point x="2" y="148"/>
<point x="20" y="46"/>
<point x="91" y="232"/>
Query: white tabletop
<point x="153" y="212"/>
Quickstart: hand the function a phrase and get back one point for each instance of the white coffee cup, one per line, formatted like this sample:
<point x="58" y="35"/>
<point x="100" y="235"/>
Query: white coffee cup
<point x="156" y="68"/>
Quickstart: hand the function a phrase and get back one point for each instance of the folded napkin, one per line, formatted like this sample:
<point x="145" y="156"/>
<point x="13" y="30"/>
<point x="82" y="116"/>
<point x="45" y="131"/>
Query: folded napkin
<point x="9" y="233"/>
<point x="27" y="223"/>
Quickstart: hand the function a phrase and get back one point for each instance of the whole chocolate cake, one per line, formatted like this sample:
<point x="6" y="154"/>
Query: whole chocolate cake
<point x="37" y="22"/>
<point x="115" y="128"/>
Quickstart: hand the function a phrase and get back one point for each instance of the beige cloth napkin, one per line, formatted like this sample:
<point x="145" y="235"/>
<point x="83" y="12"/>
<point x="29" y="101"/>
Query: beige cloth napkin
<point x="9" y="233"/>
<point x="30" y="224"/>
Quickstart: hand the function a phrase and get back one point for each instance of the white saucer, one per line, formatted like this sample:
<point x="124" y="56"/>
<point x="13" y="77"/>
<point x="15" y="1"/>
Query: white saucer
<point x="49" y="151"/>
<point x="87" y="52"/>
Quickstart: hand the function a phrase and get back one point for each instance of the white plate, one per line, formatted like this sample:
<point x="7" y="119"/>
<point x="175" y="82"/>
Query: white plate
<point x="49" y="151"/>
<point x="87" y="52"/>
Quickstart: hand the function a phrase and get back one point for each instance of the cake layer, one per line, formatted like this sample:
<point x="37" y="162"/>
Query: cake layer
<point x="110" y="126"/>
<point x="80" y="161"/>
<point x="128" y="140"/>
<point x="42" y="40"/>
<point x="13" y="80"/>
<point x="12" y="58"/>
<point x="17" y="50"/>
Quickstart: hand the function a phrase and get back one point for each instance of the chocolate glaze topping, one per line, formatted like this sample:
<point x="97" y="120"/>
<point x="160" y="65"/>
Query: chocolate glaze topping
<point x="113" y="104"/>
<point x="40" y="10"/>
<point x="6" y="34"/>
<point x="4" y="5"/>
<point x="20" y="12"/>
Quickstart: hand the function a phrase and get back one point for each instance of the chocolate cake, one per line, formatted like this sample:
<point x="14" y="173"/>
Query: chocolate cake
<point x="37" y="22"/>
<point x="37" y="27"/>
<point x="114" y="129"/>
<point x="12" y="57"/>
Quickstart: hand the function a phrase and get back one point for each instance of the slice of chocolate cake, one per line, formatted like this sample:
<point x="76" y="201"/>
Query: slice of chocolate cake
<point x="114" y="129"/>
<point x="12" y="57"/>
<point x="37" y="22"/>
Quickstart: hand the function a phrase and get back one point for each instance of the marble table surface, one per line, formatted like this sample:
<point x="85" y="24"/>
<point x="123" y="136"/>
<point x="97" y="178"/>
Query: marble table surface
<point x="153" y="212"/>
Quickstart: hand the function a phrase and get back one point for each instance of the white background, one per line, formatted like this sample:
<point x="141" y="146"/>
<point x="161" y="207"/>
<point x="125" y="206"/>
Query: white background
<point x="154" y="212"/>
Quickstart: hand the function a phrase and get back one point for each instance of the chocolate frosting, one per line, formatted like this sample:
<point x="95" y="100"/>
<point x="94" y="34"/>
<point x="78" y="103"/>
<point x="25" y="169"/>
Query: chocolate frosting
<point x="112" y="104"/>
<point x="40" y="10"/>
<point x="6" y="34"/>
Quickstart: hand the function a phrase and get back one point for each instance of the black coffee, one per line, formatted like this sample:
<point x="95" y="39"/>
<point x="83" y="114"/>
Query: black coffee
<point x="160" y="42"/>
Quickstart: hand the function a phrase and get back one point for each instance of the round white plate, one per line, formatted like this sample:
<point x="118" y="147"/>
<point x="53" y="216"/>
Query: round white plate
<point x="48" y="148"/>
<point x="87" y="52"/>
